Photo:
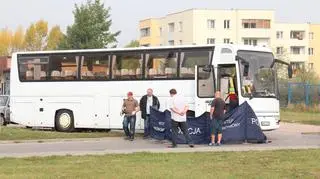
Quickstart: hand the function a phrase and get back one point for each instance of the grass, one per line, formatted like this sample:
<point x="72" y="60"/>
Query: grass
<point x="16" y="134"/>
<point x="254" y="164"/>
<point x="300" y="117"/>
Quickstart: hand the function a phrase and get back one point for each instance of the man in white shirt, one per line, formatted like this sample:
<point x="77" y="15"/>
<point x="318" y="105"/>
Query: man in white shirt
<point x="178" y="108"/>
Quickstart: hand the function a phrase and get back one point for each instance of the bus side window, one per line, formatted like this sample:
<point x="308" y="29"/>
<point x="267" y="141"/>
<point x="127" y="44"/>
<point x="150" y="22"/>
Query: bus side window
<point x="33" y="69"/>
<point x="191" y="58"/>
<point x="63" y="67"/>
<point x="95" y="67"/>
<point x="127" y="66"/>
<point x="161" y="65"/>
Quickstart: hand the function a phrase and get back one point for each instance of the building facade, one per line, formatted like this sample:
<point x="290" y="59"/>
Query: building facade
<point x="314" y="48"/>
<point x="291" y="42"/>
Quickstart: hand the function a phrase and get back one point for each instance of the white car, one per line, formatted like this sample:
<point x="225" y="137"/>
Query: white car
<point x="4" y="110"/>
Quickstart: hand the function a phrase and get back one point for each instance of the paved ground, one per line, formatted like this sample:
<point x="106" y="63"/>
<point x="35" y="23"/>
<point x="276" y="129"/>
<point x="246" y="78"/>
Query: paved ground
<point x="289" y="136"/>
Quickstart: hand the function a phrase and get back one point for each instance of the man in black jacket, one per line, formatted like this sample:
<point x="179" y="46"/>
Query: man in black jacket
<point x="147" y="101"/>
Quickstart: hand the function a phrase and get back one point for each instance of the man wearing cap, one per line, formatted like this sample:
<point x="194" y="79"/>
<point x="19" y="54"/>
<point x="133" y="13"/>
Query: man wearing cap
<point x="130" y="107"/>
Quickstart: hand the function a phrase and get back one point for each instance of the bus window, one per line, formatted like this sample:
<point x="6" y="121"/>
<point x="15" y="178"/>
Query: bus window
<point x="33" y="69"/>
<point x="161" y="65"/>
<point x="127" y="67"/>
<point x="95" y="67"/>
<point x="189" y="59"/>
<point x="63" y="68"/>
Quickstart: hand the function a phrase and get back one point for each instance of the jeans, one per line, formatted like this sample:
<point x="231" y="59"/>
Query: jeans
<point x="132" y="121"/>
<point x="175" y="129"/>
<point x="147" y="126"/>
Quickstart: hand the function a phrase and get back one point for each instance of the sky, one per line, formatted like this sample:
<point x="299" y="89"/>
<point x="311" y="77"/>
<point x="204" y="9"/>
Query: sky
<point x="126" y="14"/>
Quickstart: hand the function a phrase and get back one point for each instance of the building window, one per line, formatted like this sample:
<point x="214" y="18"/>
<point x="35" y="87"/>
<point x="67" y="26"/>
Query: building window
<point x="253" y="42"/>
<point x="256" y="23"/>
<point x="279" y="50"/>
<point x="279" y="34"/>
<point x="310" y="66"/>
<point x="171" y="27"/>
<point x="171" y="42"/>
<point x="297" y="35"/>
<point x="180" y="42"/>
<point x="226" y="41"/>
<point x="160" y="31"/>
<point x="180" y="26"/>
<point x="145" y="32"/>
<point x="211" y="24"/>
<point x="295" y="50"/>
<point x="297" y="66"/>
<point x="311" y="34"/>
<point x="226" y="24"/>
<point x="211" y="41"/>
<point x="310" y="50"/>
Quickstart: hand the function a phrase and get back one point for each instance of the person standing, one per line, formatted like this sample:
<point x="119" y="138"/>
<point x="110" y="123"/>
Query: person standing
<point x="178" y="108"/>
<point x="233" y="98"/>
<point x="218" y="108"/>
<point x="147" y="101"/>
<point x="129" y="108"/>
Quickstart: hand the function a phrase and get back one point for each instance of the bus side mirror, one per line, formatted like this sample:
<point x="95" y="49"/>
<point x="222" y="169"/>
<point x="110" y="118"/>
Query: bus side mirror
<point x="290" y="71"/>
<point x="246" y="70"/>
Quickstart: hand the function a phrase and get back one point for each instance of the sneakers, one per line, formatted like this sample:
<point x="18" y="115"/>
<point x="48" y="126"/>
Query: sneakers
<point x="214" y="144"/>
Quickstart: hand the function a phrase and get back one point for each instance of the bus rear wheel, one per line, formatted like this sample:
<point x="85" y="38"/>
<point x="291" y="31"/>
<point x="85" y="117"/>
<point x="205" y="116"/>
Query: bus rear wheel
<point x="64" y="121"/>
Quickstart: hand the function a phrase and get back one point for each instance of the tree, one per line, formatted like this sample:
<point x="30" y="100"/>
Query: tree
<point x="91" y="28"/>
<point x="282" y="70"/>
<point x="54" y="38"/>
<point x="17" y="41"/>
<point x="5" y="41"/>
<point x="36" y="36"/>
<point x="133" y="43"/>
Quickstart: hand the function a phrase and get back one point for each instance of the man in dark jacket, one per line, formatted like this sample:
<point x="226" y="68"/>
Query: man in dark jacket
<point x="147" y="101"/>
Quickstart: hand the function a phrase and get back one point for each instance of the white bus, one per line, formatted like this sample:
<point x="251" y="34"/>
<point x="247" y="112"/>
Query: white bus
<point x="85" y="88"/>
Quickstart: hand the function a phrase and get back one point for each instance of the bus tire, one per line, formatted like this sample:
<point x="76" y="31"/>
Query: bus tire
<point x="64" y="121"/>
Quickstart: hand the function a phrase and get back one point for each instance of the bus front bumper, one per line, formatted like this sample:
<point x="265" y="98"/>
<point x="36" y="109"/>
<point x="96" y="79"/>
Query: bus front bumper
<point x="269" y="122"/>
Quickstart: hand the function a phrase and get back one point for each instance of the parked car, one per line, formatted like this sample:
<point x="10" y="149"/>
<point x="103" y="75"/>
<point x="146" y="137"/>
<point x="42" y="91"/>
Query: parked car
<point x="4" y="110"/>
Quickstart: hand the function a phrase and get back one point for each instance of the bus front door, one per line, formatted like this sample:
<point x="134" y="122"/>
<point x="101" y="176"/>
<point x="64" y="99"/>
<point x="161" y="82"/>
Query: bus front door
<point x="204" y="89"/>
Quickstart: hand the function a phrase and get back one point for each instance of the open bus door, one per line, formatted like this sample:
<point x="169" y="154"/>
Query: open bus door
<point x="204" y="89"/>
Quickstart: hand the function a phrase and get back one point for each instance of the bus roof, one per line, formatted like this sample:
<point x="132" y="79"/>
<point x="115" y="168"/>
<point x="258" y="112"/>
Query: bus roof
<point x="230" y="46"/>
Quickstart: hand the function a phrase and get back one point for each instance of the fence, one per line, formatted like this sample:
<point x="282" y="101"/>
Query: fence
<point x="299" y="93"/>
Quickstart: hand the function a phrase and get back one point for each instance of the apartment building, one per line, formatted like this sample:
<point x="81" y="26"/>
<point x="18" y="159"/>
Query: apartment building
<point x="314" y="47"/>
<point x="291" y="41"/>
<point x="249" y="27"/>
<point x="204" y="26"/>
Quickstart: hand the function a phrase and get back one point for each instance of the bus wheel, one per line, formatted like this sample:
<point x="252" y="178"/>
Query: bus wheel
<point x="64" y="121"/>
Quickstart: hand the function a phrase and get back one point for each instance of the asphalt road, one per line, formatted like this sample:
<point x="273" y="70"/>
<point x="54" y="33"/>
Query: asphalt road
<point x="289" y="136"/>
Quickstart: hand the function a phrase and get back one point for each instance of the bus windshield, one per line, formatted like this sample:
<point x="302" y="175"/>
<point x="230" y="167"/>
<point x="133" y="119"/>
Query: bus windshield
<point x="259" y="79"/>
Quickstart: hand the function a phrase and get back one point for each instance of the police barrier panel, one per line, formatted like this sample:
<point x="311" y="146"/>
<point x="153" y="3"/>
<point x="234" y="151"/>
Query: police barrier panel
<point x="240" y="125"/>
